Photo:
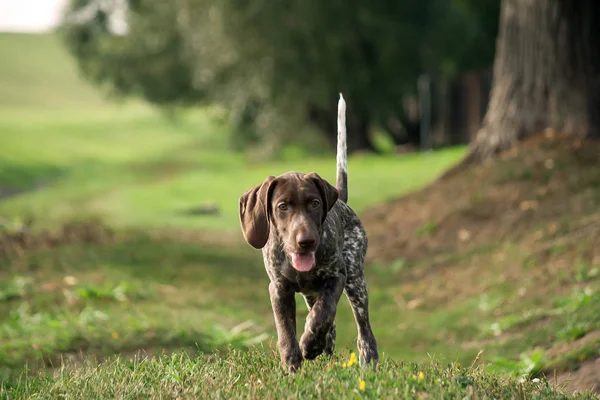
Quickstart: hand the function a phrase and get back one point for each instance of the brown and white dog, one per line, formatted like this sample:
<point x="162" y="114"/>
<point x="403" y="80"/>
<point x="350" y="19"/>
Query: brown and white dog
<point x="312" y="243"/>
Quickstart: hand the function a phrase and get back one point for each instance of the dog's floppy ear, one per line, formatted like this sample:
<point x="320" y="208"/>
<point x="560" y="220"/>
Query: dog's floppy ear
<point x="329" y="194"/>
<point x="254" y="214"/>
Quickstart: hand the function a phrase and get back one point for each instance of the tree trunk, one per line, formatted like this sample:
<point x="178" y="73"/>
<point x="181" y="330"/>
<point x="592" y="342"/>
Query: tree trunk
<point x="546" y="73"/>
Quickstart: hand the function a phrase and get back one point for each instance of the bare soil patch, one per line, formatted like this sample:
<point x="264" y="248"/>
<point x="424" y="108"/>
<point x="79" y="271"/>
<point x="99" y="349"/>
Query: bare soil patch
<point x="15" y="241"/>
<point x="586" y="377"/>
<point x="547" y="183"/>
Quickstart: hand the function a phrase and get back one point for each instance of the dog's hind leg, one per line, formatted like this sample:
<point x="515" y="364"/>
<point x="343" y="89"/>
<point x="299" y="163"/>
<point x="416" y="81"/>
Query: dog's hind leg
<point x="356" y="292"/>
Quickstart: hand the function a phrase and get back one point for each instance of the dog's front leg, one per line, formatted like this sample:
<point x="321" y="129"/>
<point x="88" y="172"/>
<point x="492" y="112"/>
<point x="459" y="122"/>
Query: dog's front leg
<point x="320" y="322"/>
<point x="284" y="311"/>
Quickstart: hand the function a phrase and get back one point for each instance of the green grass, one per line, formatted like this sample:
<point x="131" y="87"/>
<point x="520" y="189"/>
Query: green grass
<point x="253" y="375"/>
<point x="36" y="72"/>
<point x="136" y="291"/>
<point x="133" y="167"/>
<point x="122" y="295"/>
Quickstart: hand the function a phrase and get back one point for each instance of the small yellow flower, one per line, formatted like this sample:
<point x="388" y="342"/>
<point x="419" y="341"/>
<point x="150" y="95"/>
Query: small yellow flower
<point x="421" y="375"/>
<point x="352" y="360"/>
<point x="115" y="335"/>
<point x="362" y="385"/>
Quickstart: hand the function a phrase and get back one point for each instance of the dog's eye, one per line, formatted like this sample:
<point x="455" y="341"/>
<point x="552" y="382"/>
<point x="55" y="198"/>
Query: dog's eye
<point x="282" y="206"/>
<point x="315" y="203"/>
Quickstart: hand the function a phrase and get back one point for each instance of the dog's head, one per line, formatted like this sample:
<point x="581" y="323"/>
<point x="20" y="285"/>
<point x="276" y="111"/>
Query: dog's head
<point x="296" y="205"/>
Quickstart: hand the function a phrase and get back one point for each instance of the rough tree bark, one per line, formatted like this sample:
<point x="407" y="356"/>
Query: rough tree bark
<point x="546" y="73"/>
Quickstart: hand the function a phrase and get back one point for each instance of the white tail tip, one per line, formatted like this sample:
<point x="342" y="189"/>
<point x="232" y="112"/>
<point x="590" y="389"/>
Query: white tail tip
<point x="342" y="107"/>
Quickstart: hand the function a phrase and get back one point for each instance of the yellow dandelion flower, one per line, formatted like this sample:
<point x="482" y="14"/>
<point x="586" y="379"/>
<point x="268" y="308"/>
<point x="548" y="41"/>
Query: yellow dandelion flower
<point x="115" y="335"/>
<point x="362" y="385"/>
<point x="352" y="360"/>
<point x="421" y="375"/>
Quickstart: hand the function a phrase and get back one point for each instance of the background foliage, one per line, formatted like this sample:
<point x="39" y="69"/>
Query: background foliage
<point x="278" y="67"/>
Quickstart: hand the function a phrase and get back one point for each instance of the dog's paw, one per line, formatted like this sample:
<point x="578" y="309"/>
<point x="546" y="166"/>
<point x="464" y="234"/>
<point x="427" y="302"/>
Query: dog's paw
<point x="312" y="345"/>
<point x="292" y="361"/>
<point x="368" y="353"/>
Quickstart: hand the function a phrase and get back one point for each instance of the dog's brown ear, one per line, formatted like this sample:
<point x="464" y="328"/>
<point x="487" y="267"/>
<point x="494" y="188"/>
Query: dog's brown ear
<point x="254" y="215"/>
<point x="329" y="194"/>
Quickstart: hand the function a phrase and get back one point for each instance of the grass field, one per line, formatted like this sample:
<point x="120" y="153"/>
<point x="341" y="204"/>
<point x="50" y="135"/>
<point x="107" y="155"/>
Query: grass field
<point x="116" y="262"/>
<point x="251" y="375"/>
<point x="135" y="168"/>
<point x="37" y="74"/>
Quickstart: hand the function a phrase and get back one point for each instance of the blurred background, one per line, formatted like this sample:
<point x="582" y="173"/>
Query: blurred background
<point x="129" y="128"/>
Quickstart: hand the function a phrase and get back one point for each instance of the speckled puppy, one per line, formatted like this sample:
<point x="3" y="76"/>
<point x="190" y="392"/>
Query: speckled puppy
<point x="312" y="243"/>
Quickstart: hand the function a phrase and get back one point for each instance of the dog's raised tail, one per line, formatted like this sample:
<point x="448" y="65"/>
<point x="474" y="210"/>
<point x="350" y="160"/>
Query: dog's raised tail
<point x="341" y="181"/>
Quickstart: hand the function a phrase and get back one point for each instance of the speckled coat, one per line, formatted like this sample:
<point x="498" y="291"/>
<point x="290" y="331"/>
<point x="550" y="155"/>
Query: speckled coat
<point x="339" y="268"/>
<point x="339" y="264"/>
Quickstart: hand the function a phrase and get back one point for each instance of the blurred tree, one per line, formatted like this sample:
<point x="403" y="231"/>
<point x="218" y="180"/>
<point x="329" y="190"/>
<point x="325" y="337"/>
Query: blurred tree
<point x="372" y="51"/>
<point x="546" y="73"/>
<point x="277" y="66"/>
<point x="143" y="55"/>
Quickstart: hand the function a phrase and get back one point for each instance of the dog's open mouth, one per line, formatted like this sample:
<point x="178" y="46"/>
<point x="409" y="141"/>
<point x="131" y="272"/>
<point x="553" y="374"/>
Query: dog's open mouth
<point x="303" y="262"/>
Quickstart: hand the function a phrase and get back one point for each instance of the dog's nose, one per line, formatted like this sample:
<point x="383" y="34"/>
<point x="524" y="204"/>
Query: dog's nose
<point x="305" y="241"/>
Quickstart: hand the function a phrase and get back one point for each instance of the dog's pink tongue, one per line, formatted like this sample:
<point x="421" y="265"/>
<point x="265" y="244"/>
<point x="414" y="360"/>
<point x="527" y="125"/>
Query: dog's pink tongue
<point x="303" y="262"/>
